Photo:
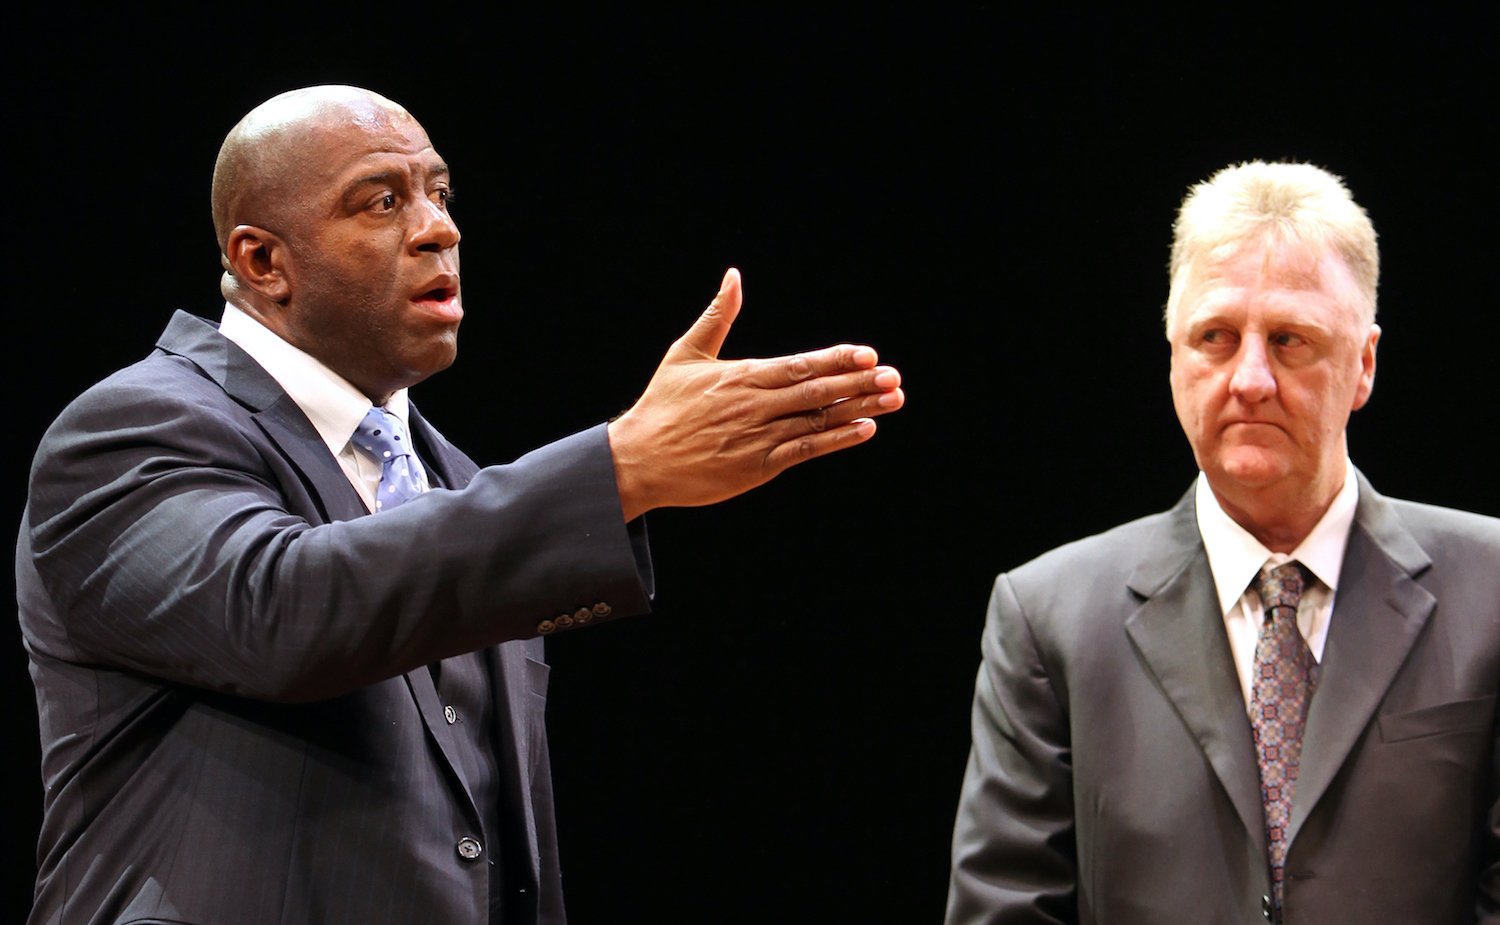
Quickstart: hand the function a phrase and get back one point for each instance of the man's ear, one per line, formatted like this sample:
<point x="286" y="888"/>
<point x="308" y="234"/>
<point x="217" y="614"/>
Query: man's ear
<point x="1367" y="368"/>
<point x="258" y="259"/>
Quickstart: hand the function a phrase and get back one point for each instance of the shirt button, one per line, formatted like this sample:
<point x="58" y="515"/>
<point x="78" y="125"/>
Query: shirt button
<point x="469" y="848"/>
<point x="601" y="609"/>
<point x="1265" y="907"/>
<point x="450" y="714"/>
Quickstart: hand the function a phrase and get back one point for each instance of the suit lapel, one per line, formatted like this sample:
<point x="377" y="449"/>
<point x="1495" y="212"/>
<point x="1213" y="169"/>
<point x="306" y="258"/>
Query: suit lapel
<point x="226" y="363"/>
<point x="450" y="466"/>
<point x="424" y="692"/>
<point x="295" y="436"/>
<point x="1183" y="643"/>
<point x="1378" y="613"/>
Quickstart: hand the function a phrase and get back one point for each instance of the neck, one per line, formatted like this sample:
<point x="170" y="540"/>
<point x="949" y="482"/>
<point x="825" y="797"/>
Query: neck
<point x="274" y="318"/>
<point x="1280" y="521"/>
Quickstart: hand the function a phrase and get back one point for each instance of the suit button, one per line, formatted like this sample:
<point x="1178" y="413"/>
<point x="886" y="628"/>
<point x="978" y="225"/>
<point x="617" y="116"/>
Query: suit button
<point x="450" y="714"/>
<point x="545" y="627"/>
<point x="582" y="614"/>
<point x="1265" y="908"/>
<point x="469" y="848"/>
<point x="563" y="621"/>
<point x="601" y="609"/>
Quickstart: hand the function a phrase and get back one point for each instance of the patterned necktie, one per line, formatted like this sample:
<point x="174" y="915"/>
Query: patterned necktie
<point x="1285" y="676"/>
<point x="383" y="438"/>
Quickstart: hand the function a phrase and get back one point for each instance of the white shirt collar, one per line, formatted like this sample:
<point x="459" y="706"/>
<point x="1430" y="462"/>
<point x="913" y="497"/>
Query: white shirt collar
<point x="1235" y="556"/>
<point x="331" y="403"/>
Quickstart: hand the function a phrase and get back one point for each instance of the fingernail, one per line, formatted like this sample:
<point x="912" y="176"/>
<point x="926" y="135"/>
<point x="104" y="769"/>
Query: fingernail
<point x="865" y="355"/>
<point x="891" y="399"/>
<point x="864" y="427"/>
<point x="887" y="378"/>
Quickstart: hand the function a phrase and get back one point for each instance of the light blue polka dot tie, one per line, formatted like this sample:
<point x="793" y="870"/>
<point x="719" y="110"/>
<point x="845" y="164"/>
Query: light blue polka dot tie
<point x="383" y="437"/>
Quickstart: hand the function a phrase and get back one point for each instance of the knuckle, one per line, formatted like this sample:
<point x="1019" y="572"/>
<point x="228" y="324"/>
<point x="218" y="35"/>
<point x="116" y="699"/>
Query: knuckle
<point x="818" y="420"/>
<point x="804" y="449"/>
<point x="815" y="393"/>
<point x="799" y="367"/>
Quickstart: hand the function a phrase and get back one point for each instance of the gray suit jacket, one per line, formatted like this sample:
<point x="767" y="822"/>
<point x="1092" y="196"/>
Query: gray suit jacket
<point x="237" y="722"/>
<point x="1113" y="776"/>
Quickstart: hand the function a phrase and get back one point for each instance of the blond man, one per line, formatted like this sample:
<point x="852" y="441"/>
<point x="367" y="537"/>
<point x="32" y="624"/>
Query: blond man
<point x="1275" y="701"/>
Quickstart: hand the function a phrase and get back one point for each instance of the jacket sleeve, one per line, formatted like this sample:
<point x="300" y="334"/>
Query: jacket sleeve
<point x="161" y="532"/>
<point x="1014" y="859"/>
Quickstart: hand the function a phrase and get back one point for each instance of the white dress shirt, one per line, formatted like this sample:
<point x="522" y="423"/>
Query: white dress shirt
<point x="331" y="403"/>
<point x="1235" y="557"/>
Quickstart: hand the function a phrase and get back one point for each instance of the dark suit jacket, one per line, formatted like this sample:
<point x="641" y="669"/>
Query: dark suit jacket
<point x="237" y="722"/>
<point x="1113" y="776"/>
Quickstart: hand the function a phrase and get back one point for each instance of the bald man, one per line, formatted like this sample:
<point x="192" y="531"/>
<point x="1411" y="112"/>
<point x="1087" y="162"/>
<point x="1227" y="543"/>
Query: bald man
<point x="261" y="704"/>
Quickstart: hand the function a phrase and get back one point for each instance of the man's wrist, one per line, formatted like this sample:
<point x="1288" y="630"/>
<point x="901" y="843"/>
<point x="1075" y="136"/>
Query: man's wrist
<point x="627" y="482"/>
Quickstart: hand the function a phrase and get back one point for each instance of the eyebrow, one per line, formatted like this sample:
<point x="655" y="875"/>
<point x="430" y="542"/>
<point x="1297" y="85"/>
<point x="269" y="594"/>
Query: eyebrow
<point x="392" y="177"/>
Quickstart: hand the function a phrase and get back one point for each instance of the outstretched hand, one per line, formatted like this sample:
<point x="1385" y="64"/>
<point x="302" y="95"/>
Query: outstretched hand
<point x="708" y="429"/>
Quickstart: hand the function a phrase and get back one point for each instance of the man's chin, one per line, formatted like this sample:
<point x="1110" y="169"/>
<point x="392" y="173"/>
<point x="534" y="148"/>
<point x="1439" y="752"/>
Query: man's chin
<point x="1249" y="469"/>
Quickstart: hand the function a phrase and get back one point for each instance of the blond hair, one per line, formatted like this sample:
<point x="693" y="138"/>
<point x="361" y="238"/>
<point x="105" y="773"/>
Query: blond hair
<point x="1264" y="203"/>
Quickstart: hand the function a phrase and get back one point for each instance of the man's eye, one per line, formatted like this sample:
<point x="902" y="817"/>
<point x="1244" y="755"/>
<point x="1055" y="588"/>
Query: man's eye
<point x="386" y="203"/>
<point x="445" y="196"/>
<point x="1286" y="340"/>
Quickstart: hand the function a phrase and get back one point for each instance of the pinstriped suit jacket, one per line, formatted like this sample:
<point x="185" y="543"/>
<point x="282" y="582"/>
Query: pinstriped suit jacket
<point x="237" y="723"/>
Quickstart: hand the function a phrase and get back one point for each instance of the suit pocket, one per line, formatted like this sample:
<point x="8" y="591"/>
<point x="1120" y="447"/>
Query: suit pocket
<point x="536" y="677"/>
<point x="536" y="713"/>
<point x="1458" y="716"/>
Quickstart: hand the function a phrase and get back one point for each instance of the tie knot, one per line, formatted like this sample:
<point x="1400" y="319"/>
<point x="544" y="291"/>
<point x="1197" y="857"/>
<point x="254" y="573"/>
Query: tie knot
<point x="1281" y="586"/>
<point x="382" y="435"/>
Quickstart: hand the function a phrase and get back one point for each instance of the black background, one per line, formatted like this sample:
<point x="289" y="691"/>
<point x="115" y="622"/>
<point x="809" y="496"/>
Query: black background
<point x="985" y="196"/>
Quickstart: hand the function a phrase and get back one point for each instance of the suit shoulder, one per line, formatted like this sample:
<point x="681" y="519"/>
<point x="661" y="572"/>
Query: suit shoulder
<point x="162" y="401"/>
<point x="155" y="387"/>
<point x="160" y="376"/>
<point x="1439" y="529"/>
<point x="1452" y="538"/>
<point x="1104" y="560"/>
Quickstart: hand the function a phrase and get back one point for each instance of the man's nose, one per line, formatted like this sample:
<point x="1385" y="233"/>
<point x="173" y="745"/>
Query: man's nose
<point x="435" y="229"/>
<point x="1254" y="381"/>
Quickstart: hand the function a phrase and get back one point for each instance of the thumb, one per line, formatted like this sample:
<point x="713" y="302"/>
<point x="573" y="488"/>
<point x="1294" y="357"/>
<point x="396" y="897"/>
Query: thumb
<point x="707" y="334"/>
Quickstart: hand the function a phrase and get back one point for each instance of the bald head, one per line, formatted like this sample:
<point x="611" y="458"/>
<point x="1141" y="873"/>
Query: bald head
<point x="271" y="154"/>
<point x="331" y="210"/>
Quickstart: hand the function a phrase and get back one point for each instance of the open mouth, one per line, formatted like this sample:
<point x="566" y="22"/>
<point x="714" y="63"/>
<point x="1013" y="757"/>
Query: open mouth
<point x="437" y="294"/>
<point x="440" y="302"/>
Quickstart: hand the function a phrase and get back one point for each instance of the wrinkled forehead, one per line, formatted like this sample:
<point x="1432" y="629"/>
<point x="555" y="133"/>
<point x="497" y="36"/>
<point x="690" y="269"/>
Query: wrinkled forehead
<point x="1287" y="275"/>
<point x="1286" y="266"/>
<point x="1312" y="266"/>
